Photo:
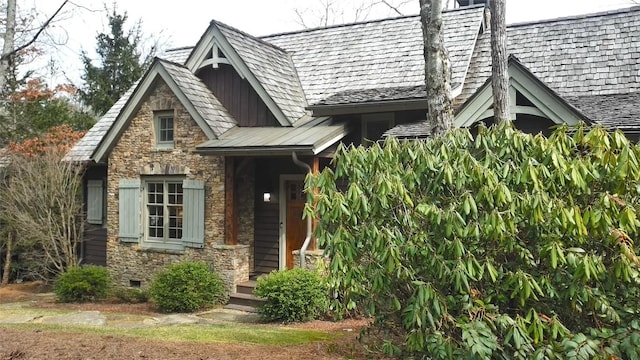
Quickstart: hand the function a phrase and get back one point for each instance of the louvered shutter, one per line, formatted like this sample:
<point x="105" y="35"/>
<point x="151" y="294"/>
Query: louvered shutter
<point x="94" y="202"/>
<point x="193" y="217"/>
<point x="129" y="210"/>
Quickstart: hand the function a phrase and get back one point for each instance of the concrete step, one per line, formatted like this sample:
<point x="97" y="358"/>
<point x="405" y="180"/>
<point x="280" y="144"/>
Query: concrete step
<point x="248" y="309"/>
<point x="245" y="300"/>
<point x="246" y="287"/>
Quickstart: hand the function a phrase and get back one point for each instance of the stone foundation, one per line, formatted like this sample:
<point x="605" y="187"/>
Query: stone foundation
<point x="131" y="265"/>
<point x="232" y="263"/>
<point x="314" y="259"/>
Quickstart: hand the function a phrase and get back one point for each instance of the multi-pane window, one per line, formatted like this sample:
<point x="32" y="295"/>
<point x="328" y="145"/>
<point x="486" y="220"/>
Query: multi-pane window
<point x="164" y="130"/>
<point x="164" y="210"/>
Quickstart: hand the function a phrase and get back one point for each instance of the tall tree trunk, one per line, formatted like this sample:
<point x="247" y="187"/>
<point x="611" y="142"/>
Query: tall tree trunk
<point x="437" y="72"/>
<point x="6" y="271"/>
<point x="8" y="38"/>
<point x="499" y="62"/>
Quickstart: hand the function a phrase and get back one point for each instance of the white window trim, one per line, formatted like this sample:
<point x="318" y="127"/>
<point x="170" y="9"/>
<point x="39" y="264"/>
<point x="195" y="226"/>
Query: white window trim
<point x="377" y="117"/>
<point x="166" y="242"/>
<point x="156" y="124"/>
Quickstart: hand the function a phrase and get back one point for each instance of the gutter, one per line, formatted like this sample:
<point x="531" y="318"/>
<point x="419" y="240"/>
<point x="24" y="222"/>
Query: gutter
<point x="364" y="107"/>
<point x="307" y="240"/>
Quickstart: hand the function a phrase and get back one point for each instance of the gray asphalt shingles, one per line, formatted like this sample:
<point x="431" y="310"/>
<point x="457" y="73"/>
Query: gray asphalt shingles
<point x="376" y="54"/>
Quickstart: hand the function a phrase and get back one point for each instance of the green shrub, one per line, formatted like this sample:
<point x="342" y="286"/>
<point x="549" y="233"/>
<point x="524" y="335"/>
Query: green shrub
<point x="292" y="295"/>
<point x="130" y="295"/>
<point x="82" y="283"/>
<point x="493" y="246"/>
<point x="186" y="287"/>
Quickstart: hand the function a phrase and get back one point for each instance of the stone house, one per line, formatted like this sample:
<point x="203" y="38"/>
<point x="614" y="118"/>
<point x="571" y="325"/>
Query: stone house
<point x="204" y="158"/>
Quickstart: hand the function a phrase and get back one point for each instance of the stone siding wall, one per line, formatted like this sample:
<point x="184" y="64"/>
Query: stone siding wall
<point x="314" y="259"/>
<point x="245" y="183"/>
<point x="135" y="156"/>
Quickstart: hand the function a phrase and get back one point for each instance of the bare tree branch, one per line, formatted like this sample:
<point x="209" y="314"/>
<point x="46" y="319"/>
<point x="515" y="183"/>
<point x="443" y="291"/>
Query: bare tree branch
<point x="394" y="8"/>
<point x="330" y="12"/>
<point x="5" y="56"/>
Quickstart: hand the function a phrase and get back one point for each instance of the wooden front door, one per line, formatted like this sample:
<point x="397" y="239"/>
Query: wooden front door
<point x="296" y="227"/>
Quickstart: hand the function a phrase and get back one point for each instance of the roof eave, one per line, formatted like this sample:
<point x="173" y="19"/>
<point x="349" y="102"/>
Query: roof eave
<point x="259" y="151"/>
<point x="156" y="70"/>
<point x="367" y="107"/>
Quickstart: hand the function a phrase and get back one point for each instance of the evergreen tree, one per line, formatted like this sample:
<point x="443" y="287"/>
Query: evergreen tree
<point x="121" y="63"/>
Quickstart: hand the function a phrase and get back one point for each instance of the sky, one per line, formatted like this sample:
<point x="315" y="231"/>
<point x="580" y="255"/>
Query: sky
<point x="181" y="23"/>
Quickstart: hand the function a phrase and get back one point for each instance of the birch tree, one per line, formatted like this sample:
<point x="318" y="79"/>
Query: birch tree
<point x="8" y="41"/>
<point x="499" y="62"/>
<point x="9" y="48"/>
<point x="437" y="70"/>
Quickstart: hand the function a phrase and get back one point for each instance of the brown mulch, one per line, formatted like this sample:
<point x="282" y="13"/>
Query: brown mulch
<point x="17" y="344"/>
<point x="27" y="344"/>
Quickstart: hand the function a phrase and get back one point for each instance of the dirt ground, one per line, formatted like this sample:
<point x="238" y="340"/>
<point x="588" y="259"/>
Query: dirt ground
<point x="17" y="344"/>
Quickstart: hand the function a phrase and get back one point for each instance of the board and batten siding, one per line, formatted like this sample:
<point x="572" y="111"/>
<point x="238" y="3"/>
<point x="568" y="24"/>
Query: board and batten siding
<point x="266" y="232"/>
<point x="237" y="96"/>
<point x="94" y="237"/>
<point x="95" y="245"/>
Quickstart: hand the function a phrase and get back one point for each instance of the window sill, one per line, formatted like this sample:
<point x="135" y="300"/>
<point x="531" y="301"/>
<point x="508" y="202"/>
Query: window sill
<point x="164" y="149"/>
<point x="161" y="248"/>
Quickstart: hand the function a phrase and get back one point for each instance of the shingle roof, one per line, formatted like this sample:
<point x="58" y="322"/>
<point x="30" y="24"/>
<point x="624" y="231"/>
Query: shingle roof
<point x="376" y="54"/>
<point x="272" y="67"/>
<point x="415" y="130"/>
<point x="83" y="149"/>
<point x="178" y="55"/>
<point x="202" y="99"/>
<point x="375" y="95"/>
<point x="621" y="111"/>
<point x="207" y="105"/>
<point x="587" y="55"/>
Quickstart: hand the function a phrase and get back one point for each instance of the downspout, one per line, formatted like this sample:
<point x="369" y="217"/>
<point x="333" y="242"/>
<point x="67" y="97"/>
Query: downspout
<point x="307" y="240"/>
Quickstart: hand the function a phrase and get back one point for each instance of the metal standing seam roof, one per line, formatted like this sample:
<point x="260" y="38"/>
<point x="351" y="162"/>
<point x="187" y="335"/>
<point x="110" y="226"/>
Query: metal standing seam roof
<point x="376" y="54"/>
<point x="272" y="67"/>
<point x="310" y="139"/>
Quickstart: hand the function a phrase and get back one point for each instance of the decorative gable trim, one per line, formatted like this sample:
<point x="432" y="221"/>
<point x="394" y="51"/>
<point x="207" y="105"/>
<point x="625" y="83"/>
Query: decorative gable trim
<point x="214" y="60"/>
<point x="547" y="103"/>
<point x="156" y="71"/>
<point x="214" y="40"/>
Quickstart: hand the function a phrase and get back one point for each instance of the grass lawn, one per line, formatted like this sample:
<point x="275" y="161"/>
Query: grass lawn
<point x="231" y="333"/>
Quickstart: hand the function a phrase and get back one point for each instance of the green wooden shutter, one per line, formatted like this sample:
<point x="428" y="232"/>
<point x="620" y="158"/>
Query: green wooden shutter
<point x="129" y="210"/>
<point x="94" y="202"/>
<point x="193" y="218"/>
